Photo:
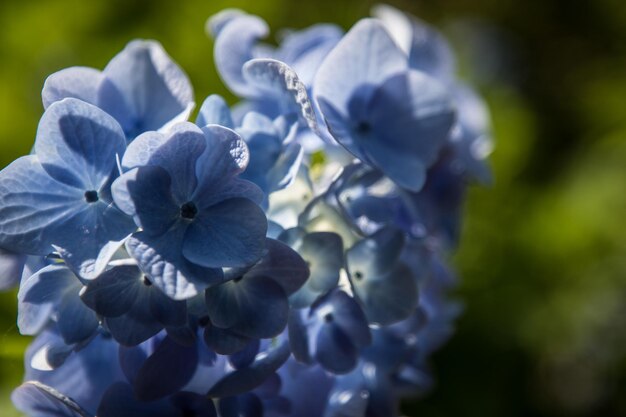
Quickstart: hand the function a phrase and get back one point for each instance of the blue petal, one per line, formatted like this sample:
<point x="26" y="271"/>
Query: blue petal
<point x="334" y="350"/>
<point x="411" y="115"/>
<point x="35" y="401"/>
<point x="75" y="377"/>
<point x="225" y="157"/>
<point x="347" y="315"/>
<point x="176" y="152"/>
<point x="155" y="89"/>
<point x="246" y="379"/>
<point x="285" y="170"/>
<point x="283" y="265"/>
<point x="234" y="47"/>
<point x="77" y="144"/>
<point x="375" y="256"/>
<point x="120" y="401"/>
<point x="216" y="23"/>
<point x="160" y="258"/>
<point x="253" y="307"/>
<point x="40" y="293"/>
<point x="305" y="50"/>
<point x="298" y="337"/>
<point x="227" y="234"/>
<point x="79" y="82"/>
<point x="365" y="56"/>
<point x="166" y="371"/>
<point x="104" y="229"/>
<point x="145" y="193"/>
<point x="323" y="252"/>
<point x="245" y="356"/>
<point x="215" y="111"/>
<point x="223" y="341"/>
<point x="114" y="292"/>
<point x="11" y="265"/>
<point x="34" y="208"/>
<point x="277" y="79"/>
<point x="75" y="320"/>
<point x="135" y="326"/>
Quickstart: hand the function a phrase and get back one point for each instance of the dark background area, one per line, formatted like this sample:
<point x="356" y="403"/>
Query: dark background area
<point x="542" y="260"/>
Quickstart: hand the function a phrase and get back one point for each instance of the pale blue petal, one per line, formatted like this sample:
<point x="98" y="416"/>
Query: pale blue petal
<point x="77" y="144"/>
<point x="155" y="89"/>
<point x="39" y="294"/>
<point x="215" y="111"/>
<point x="365" y="56"/>
<point x="234" y="47"/>
<point x="79" y="82"/>
<point x="411" y="115"/>
<point x="216" y="23"/>
<point x="276" y="78"/>
<point x="304" y="50"/>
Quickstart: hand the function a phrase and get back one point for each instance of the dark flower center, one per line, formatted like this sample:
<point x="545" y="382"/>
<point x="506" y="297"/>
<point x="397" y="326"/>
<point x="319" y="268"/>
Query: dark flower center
<point x="91" y="196"/>
<point x="188" y="210"/>
<point x="328" y="317"/>
<point x="363" y="127"/>
<point x="204" y="321"/>
<point x="358" y="275"/>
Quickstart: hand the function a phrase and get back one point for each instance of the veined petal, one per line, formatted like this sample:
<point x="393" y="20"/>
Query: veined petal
<point x="278" y="79"/>
<point x="160" y="258"/>
<point x="34" y="207"/>
<point x="77" y="144"/>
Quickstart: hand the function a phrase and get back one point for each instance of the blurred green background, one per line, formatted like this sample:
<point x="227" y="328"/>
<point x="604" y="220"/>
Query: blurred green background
<point x="543" y="255"/>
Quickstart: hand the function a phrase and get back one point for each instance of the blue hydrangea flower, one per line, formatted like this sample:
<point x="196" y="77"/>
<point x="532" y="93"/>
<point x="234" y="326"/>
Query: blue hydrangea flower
<point x="141" y="87"/>
<point x="254" y="303"/>
<point x="389" y="116"/>
<point x="331" y="332"/>
<point x="196" y="216"/>
<point x="133" y="310"/>
<point x="59" y="198"/>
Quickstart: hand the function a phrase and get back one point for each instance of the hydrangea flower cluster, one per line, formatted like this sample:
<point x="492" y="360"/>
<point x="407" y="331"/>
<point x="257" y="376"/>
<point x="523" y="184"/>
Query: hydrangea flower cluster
<point x="283" y="257"/>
